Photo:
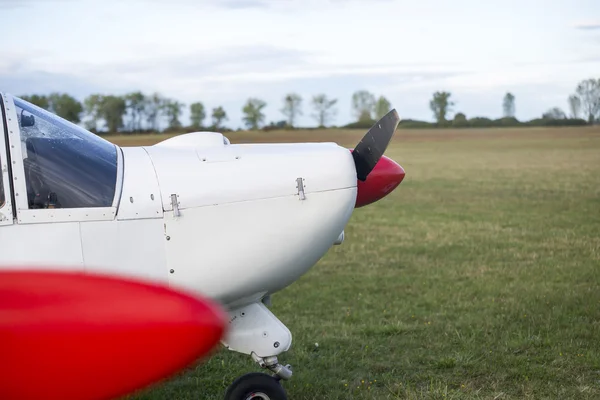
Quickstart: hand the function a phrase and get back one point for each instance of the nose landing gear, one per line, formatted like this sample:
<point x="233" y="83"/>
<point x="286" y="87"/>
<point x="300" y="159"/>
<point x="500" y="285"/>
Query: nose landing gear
<point x="255" y="331"/>
<point x="256" y="386"/>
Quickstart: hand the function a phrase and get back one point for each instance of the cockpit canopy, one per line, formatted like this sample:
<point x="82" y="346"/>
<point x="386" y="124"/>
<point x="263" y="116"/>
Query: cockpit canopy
<point x="65" y="165"/>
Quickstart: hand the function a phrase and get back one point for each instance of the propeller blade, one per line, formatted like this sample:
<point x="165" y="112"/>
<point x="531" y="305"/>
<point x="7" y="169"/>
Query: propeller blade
<point x="372" y="146"/>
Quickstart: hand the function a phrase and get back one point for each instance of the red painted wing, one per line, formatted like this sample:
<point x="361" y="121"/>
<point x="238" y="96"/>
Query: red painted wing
<point x="75" y="336"/>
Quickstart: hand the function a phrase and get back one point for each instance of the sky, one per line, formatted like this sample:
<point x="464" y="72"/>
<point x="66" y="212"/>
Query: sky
<point x="221" y="52"/>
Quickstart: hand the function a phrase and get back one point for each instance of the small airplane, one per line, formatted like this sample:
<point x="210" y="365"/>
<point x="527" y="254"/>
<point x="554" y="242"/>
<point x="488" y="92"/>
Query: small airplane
<point x="233" y="223"/>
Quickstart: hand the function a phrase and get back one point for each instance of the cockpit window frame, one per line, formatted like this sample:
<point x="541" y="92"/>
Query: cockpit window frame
<point x="3" y="196"/>
<point x="6" y="208"/>
<point x="25" y="215"/>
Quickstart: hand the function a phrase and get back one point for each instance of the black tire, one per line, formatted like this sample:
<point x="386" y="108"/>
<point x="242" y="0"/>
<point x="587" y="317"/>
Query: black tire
<point x="255" y="383"/>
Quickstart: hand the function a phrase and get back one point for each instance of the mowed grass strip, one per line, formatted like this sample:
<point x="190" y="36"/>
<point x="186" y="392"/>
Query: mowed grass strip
<point x="478" y="278"/>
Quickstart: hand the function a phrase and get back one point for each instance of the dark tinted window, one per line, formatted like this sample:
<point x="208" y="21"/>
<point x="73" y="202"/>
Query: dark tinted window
<point x="65" y="165"/>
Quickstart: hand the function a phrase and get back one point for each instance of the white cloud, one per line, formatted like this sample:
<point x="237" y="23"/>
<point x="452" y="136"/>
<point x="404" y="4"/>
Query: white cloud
<point x="588" y="25"/>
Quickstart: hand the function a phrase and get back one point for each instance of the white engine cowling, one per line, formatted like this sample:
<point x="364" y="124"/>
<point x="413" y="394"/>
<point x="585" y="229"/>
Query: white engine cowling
<point x="196" y="139"/>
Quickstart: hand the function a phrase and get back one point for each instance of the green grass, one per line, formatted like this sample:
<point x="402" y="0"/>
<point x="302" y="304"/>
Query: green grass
<point x="478" y="278"/>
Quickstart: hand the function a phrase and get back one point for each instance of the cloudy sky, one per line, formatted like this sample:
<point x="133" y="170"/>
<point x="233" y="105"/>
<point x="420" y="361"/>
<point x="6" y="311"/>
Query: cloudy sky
<point x="221" y="52"/>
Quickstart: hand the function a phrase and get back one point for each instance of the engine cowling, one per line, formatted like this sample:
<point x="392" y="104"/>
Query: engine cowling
<point x="196" y="139"/>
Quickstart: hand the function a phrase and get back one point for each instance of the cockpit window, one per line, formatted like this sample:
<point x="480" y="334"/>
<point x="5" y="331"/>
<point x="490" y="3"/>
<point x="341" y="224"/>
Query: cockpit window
<point x="65" y="165"/>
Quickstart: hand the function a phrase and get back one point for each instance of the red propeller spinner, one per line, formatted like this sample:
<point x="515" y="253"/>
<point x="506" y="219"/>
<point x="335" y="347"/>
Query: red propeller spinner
<point x="383" y="179"/>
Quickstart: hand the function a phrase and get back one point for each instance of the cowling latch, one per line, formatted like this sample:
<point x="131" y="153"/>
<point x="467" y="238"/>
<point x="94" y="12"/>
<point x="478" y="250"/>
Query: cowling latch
<point x="300" y="187"/>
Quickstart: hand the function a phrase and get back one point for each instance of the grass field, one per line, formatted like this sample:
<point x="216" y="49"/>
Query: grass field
<point x="478" y="278"/>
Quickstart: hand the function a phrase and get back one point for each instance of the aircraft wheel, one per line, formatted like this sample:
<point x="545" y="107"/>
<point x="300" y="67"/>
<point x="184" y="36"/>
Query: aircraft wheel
<point x="255" y="386"/>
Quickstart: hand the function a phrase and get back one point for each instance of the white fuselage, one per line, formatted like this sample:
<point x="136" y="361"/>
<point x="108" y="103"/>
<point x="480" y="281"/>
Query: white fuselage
<point x="226" y="221"/>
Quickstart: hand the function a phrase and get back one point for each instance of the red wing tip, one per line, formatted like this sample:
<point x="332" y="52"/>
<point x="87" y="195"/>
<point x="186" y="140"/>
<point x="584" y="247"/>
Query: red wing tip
<point x="115" y="335"/>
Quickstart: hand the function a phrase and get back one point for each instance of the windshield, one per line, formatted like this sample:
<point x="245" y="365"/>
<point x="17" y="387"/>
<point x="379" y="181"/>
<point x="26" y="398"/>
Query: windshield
<point x="65" y="165"/>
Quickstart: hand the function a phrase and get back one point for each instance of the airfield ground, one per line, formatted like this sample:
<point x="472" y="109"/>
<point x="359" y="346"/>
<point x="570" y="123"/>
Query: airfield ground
<point x="478" y="278"/>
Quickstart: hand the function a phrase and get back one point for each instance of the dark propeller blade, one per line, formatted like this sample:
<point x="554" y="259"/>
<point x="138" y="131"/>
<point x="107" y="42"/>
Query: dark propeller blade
<point x="372" y="146"/>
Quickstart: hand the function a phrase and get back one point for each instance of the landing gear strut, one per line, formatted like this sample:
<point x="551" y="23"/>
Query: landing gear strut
<point x="280" y="371"/>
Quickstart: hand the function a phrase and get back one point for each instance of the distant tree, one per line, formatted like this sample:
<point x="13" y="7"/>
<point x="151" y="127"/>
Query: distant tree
<point x="363" y="105"/>
<point x="172" y="110"/>
<point x="574" y="106"/>
<point x="292" y="104"/>
<point x="275" y="125"/>
<point x="107" y="109"/>
<point x="324" y="109"/>
<point x="507" y="122"/>
<point x="382" y="107"/>
<point x="39" y="100"/>
<point x="154" y="105"/>
<point x="480" y="122"/>
<point x="508" y="105"/>
<point x="554" y="113"/>
<point x="93" y="110"/>
<point x="136" y="105"/>
<point x="197" y="114"/>
<point x="460" y="120"/>
<point x="112" y="110"/>
<point x="441" y="105"/>
<point x="589" y="93"/>
<point x="65" y="106"/>
<point x="218" y="116"/>
<point x="253" y="115"/>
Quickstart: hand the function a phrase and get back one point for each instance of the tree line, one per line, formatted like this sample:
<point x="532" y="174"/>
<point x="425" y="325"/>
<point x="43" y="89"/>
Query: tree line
<point x="584" y="108"/>
<point x="137" y="112"/>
